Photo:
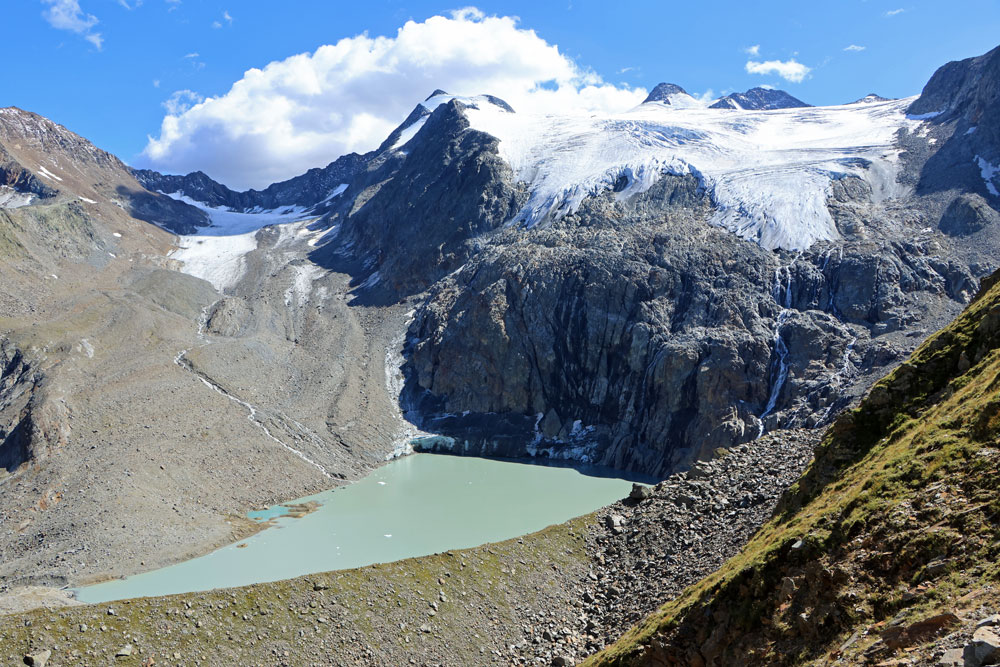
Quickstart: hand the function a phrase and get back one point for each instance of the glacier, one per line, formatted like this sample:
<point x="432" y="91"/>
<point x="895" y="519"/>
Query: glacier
<point x="768" y="172"/>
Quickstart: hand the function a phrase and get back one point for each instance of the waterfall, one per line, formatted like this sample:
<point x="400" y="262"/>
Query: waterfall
<point x="782" y="293"/>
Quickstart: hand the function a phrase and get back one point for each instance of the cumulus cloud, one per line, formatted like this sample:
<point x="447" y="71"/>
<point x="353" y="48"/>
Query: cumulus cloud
<point x="306" y="110"/>
<point x="67" y="15"/>
<point x="789" y="70"/>
<point x="753" y="50"/>
<point x="855" y="47"/>
<point x="895" y="12"/>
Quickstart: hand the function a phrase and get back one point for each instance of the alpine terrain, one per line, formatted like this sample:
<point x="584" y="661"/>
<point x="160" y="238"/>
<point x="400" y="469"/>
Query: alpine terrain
<point x="698" y="291"/>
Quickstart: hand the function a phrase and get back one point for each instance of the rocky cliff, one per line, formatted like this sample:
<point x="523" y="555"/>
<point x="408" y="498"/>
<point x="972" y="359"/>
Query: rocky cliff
<point x="885" y="551"/>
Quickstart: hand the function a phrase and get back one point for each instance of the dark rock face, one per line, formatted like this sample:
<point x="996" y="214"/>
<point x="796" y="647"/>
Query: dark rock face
<point x="759" y="99"/>
<point x="636" y="335"/>
<point x="662" y="93"/>
<point x="417" y="213"/>
<point x="965" y="95"/>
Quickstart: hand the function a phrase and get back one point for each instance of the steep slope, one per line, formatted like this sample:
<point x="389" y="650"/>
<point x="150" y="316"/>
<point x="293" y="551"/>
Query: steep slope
<point x="888" y="541"/>
<point x="759" y="99"/>
<point x="962" y="102"/>
<point x="41" y="159"/>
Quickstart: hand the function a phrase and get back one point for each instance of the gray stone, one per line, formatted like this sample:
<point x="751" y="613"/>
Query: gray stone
<point x="640" y="492"/>
<point x="984" y="649"/>
<point x="124" y="651"/>
<point x="952" y="658"/>
<point x="38" y="658"/>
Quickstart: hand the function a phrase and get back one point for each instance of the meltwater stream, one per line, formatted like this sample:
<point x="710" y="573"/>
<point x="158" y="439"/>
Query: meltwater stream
<point x="414" y="506"/>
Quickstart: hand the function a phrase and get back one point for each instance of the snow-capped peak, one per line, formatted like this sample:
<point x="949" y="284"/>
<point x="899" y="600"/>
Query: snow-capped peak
<point x="439" y="97"/>
<point x="672" y="95"/>
<point x="871" y="98"/>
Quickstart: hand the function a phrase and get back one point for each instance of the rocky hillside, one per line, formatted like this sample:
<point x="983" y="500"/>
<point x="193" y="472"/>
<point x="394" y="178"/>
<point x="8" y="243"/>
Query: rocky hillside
<point x="888" y="545"/>
<point x="42" y="159"/>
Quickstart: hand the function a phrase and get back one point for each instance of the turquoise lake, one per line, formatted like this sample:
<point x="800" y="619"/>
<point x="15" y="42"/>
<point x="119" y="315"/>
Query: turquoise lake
<point x="414" y="506"/>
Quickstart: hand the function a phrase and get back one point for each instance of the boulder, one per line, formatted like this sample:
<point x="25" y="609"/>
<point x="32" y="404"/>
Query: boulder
<point x="640" y="492"/>
<point x="38" y="658"/>
<point x="984" y="649"/>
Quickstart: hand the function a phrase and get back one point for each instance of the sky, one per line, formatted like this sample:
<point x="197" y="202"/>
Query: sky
<point x="252" y="92"/>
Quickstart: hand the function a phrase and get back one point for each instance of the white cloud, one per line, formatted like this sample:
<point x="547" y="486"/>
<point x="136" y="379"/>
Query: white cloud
<point x="193" y="54"/>
<point x="855" y="47"/>
<point x="67" y="15"/>
<point x="753" y="50"/>
<point x="225" y="17"/>
<point x="894" y="12"/>
<point x="181" y="100"/>
<point x="307" y="110"/>
<point x="789" y="70"/>
<point x="156" y="83"/>
<point x="135" y="4"/>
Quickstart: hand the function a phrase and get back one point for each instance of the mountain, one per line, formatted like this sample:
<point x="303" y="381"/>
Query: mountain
<point x="671" y="95"/>
<point x="623" y="289"/>
<point x="668" y="290"/>
<point x="307" y="191"/>
<point x="888" y="542"/>
<point x="757" y="99"/>
<point x="40" y="160"/>
<point x="871" y="98"/>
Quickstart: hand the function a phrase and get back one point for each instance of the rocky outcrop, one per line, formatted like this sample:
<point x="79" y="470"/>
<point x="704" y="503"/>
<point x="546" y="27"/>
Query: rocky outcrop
<point x="963" y="102"/>
<point x="967" y="214"/>
<point x="31" y="424"/>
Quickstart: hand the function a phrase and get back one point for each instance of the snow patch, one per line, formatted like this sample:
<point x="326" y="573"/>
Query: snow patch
<point x="48" y="174"/>
<point x="989" y="172"/>
<point x="409" y="133"/>
<point x="298" y="292"/>
<point x="89" y="201"/>
<point x="769" y="172"/>
<point x="11" y="198"/>
<point x="217" y="253"/>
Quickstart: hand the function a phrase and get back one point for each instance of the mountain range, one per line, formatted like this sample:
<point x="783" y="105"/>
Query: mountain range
<point x="643" y="290"/>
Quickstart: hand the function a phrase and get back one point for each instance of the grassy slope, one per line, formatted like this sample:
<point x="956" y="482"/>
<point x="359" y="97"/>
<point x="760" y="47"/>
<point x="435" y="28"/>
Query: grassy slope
<point x="897" y="520"/>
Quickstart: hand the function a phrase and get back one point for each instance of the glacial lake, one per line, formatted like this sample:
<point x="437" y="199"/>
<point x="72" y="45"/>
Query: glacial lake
<point x="417" y="505"/>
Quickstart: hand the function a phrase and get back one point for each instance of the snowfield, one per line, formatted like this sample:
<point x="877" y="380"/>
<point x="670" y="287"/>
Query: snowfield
<point x="768" y="172"/>
<point x="216" y="253"/>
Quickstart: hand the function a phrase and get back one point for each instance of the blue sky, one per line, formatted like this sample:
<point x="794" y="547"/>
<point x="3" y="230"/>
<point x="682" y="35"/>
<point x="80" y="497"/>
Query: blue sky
<point x="115" y="95"/>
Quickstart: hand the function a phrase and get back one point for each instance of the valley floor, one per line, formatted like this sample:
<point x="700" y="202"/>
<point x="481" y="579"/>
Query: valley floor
<point x="559" y="594"/>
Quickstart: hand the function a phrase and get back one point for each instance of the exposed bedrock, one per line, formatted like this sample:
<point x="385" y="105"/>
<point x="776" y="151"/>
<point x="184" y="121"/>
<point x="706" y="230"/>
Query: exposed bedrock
<point x="635" y="334"/>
